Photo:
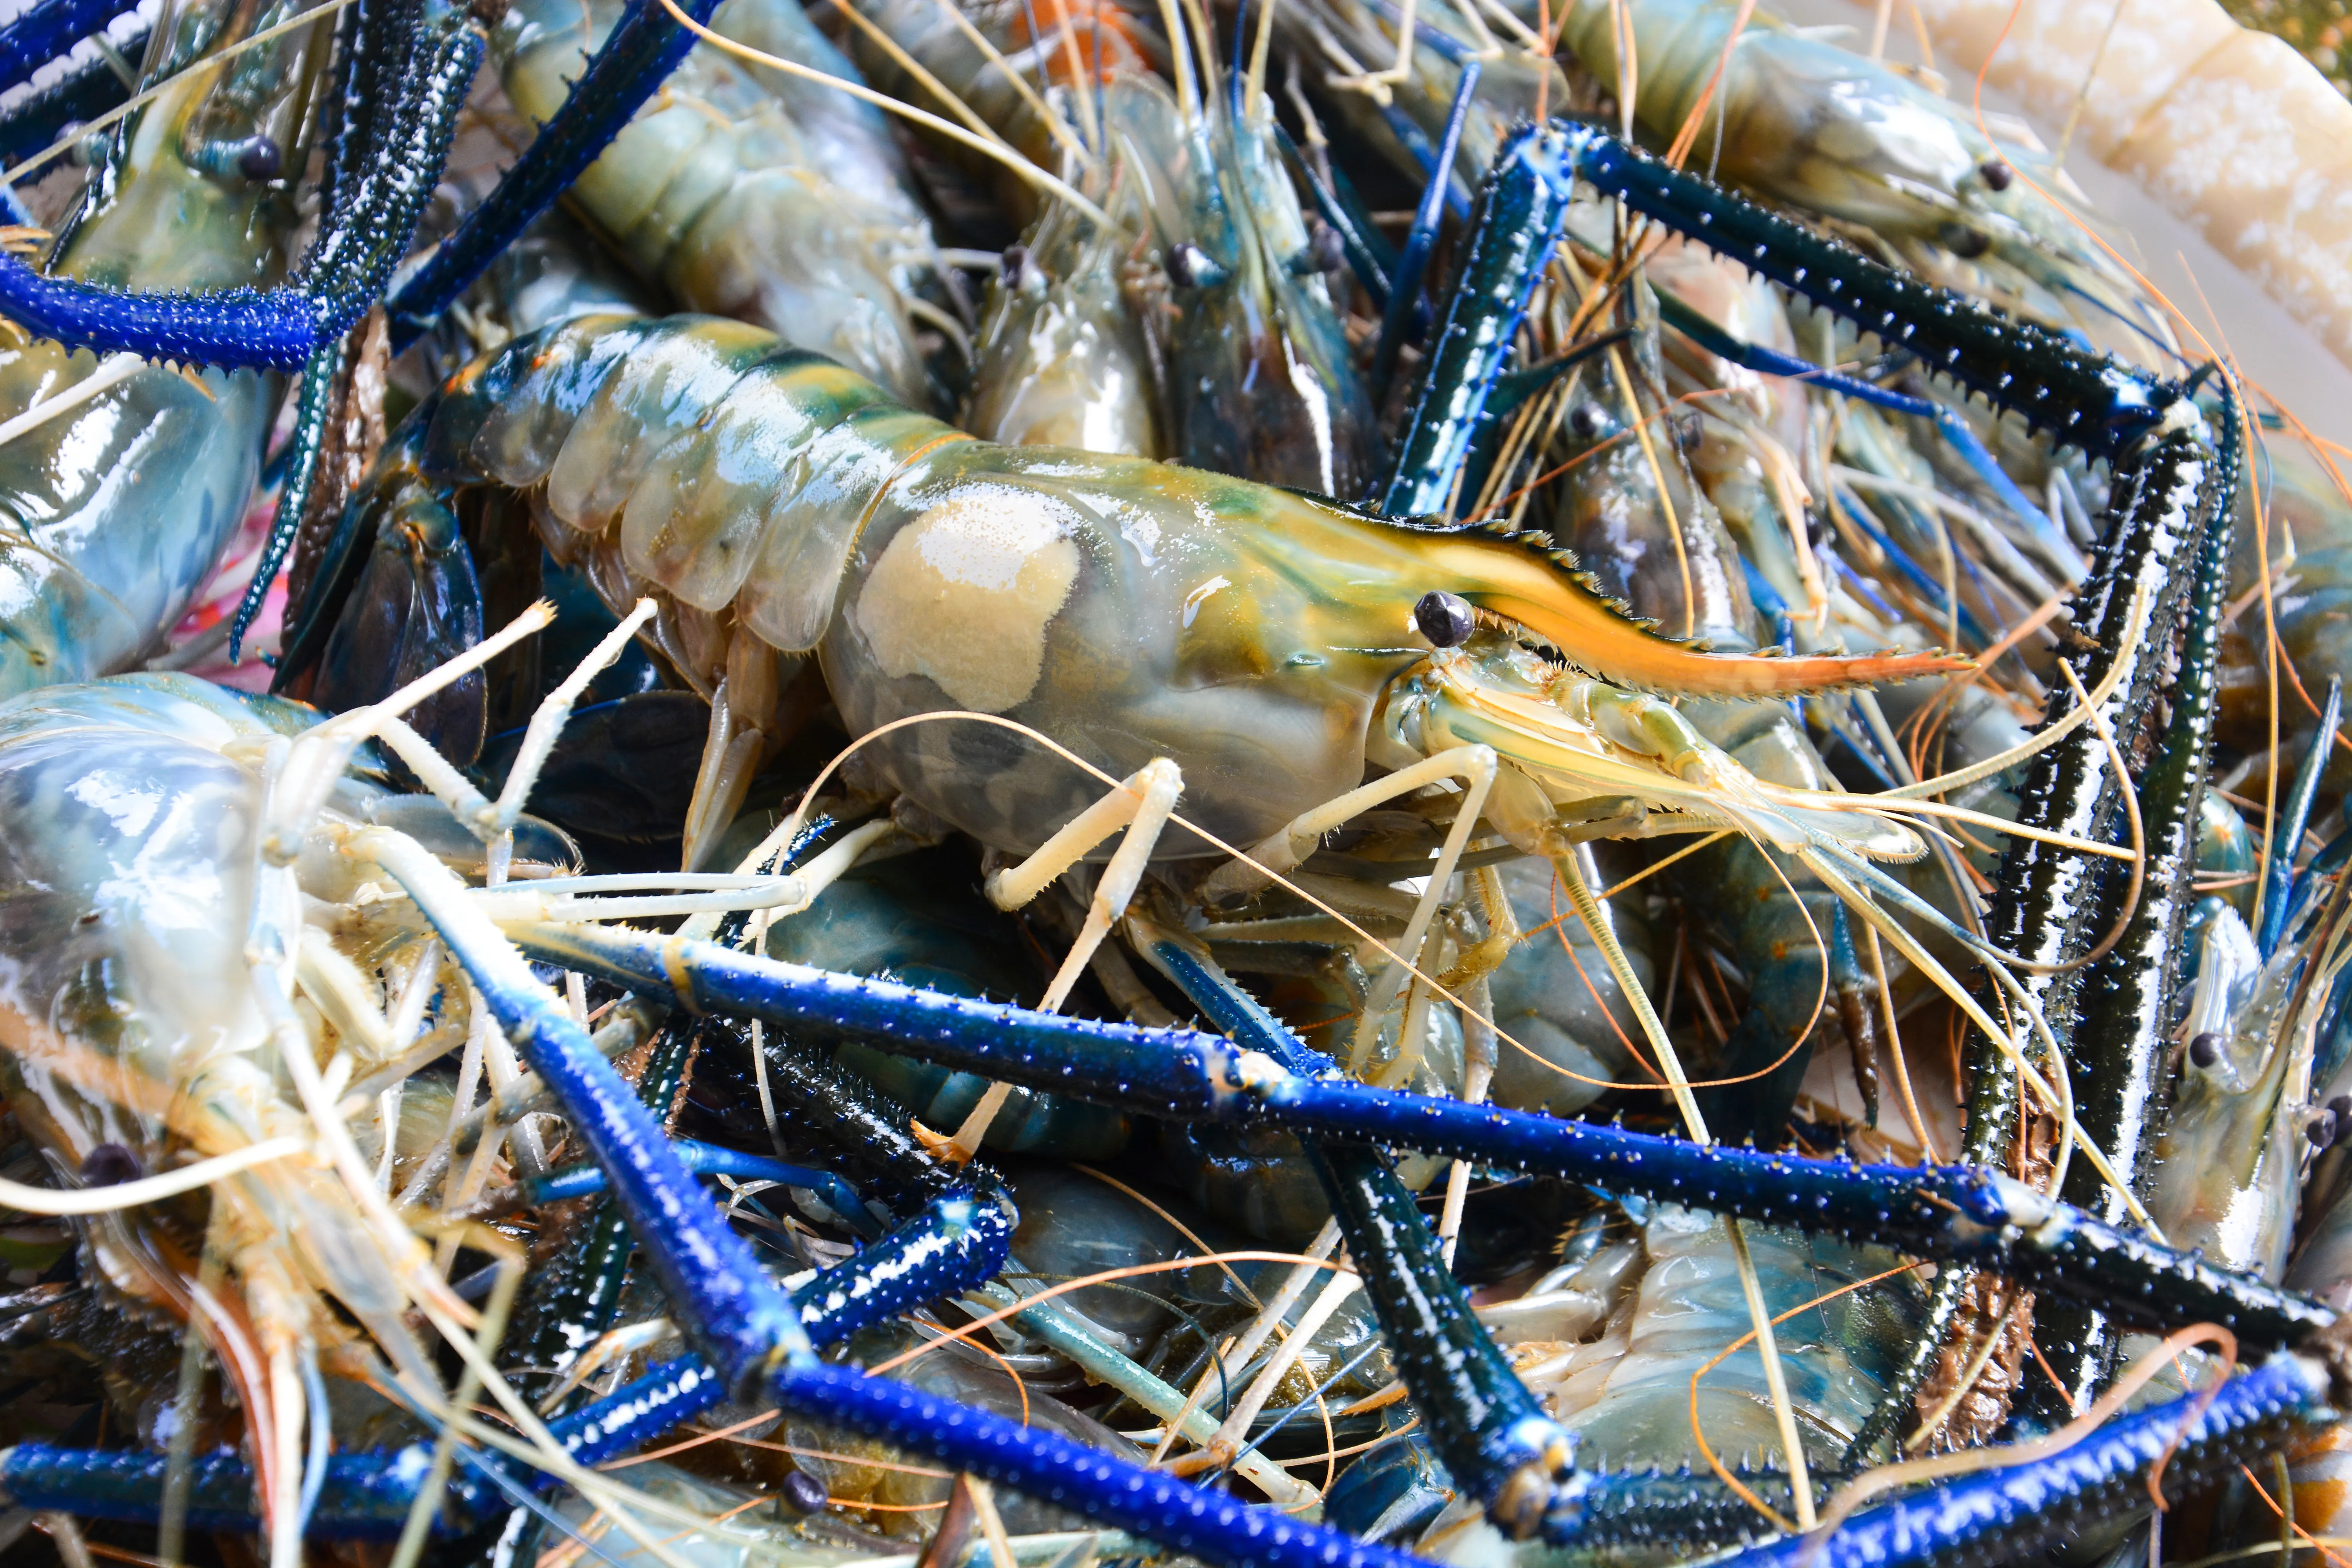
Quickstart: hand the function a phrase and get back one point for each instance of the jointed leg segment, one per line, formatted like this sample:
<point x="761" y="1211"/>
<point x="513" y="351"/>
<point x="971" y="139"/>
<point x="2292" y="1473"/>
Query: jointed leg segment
<point x="1141" y="806"/>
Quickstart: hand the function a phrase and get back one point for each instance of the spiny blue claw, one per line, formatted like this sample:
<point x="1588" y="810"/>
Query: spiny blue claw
<point x="576" y="1298"/>
<point x="1177" y="1073"/>
<point x="1489" y="1430"/>
<point x="1955" y="1212"/>
<point x="2009" y="1514"/>
<point x="2126" y="1005"/>
<point x="1520" y="210"/>
<point x="737" y="1317"/>
<point x="1086" y="1481"/>
<point x="2081" y="397"/>
<point x="281" y="328"/>
<point x="237" y="328"/>
<point x="43" y="33"/>
<point x="314" y="403"/>
<point x="751" y="1332"/>
<point x="371" y="1492"/>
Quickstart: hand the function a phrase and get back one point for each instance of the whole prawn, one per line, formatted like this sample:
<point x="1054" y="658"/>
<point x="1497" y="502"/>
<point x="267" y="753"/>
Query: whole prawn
<point x="1129" y="609"/>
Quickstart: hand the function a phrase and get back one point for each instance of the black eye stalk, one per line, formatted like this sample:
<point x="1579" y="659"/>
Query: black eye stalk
<point x="1445" y="619"/>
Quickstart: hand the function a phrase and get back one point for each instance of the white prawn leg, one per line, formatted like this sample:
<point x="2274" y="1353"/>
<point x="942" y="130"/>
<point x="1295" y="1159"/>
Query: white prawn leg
<point x="1227" y="1441"/>
<point x="1141" y="806"/>
<point x="728" y="757"/>
<point x="1473" y="766"/>
<point x="486" y="819"/>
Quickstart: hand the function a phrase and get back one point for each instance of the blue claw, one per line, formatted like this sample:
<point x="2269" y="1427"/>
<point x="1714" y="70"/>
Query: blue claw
<point x="386" y="163"/>
<point x="1955" y="1212"/>
<point x="740" y="1322"/>
<point x="252" y="329"/>
<point x="45" y="32"/>
<point x="2082" y="396"/>
<point x="1521" y="212"/>
<point x="751" y="1333"/>
<point x="1489" y="1430"/>
<point x="2010" y="1514"/>
<point x="281" y="329"/>
<point x="369" y="1494"/>
<point x="315" y="403"/>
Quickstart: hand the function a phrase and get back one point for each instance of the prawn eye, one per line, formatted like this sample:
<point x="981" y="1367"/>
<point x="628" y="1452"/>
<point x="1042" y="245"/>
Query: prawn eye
<point x="1997" y="174"/>
<point x="1016" y="269"/>
<point x="1445" y="619"/>
<point x="1590" y="422"/>
<point x="1190" y="266"/>
<point x="803" y="1491"/>
<point x="2321" y="1129"/>
<point x="260" y="159"/>
<point x="111" y="1166"/>
<point x="2205" y="1050"/>
<point x="257" y="158"/>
